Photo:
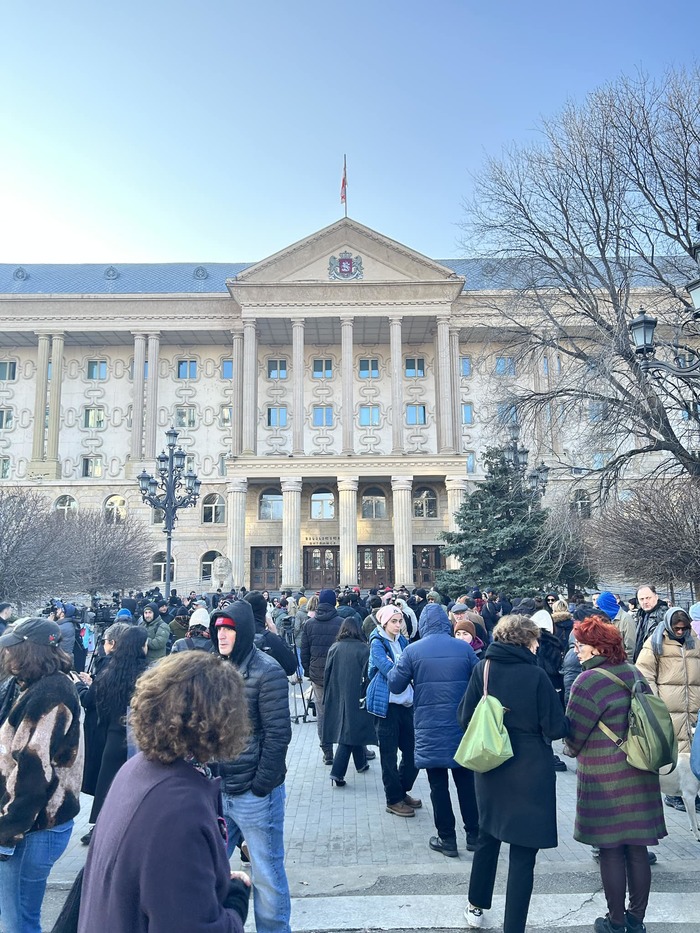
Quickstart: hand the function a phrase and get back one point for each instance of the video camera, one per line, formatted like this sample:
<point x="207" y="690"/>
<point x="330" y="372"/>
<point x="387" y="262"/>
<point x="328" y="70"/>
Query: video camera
<point x="105" y="613"/>
<point x="51" y="607"/>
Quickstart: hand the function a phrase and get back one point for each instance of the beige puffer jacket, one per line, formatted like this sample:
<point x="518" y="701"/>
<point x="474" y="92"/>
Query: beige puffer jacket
<point x="675" y="677"/>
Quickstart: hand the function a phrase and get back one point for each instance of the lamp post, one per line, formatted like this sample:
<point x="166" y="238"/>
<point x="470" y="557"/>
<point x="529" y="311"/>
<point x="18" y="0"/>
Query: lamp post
<point x="517" y="455"/>
<point x="171" y="490"/>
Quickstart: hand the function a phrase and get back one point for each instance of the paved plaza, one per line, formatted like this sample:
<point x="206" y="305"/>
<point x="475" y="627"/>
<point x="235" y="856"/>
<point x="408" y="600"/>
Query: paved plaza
<point x="354" y="867"/>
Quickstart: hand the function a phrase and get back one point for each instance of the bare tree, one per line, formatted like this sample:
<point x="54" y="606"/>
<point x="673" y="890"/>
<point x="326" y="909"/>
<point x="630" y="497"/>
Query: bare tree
<point x="564" y="550"/>
<point x="34" y="557"/>
<point x="605" y="204"/>
<point x="109" y="555"/>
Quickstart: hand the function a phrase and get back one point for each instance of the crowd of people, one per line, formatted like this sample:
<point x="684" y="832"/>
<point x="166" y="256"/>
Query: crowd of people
<point x="186" y="702"/>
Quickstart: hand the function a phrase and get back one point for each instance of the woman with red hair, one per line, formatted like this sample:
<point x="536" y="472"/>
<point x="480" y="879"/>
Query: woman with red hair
<point x="618" y="808"/>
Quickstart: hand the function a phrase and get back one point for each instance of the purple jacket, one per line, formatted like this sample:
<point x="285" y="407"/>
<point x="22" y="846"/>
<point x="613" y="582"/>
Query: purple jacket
<point x="157" y="860"/>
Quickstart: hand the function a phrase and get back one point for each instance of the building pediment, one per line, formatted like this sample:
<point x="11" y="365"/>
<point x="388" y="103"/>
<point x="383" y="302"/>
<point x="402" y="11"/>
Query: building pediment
<point x="342" y="253"/>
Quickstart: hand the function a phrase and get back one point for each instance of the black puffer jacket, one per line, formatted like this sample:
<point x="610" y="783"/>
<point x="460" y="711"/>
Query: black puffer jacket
<point x="262" y="766"/>
<point x="316" y="640"/>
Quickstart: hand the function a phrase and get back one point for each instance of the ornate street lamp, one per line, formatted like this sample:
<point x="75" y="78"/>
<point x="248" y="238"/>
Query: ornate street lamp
<point x="171" y="490"/>
<point x="537" y="479"/>
<point x="515" y="452"/>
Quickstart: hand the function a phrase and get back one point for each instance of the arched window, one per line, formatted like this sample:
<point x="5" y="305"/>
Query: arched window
<point x="158" y="565"/>
<point x="206" y="564"/>
<point x="270" y="506"/>
<point x="322" y="504"/>
<point x="424" y="503"/>
<point x="213" y="509"/>
<point x="66" y="506"/>
<point x="373" y="503"/>
<point x="115" y="510"/>
<point x="581" y="503"/>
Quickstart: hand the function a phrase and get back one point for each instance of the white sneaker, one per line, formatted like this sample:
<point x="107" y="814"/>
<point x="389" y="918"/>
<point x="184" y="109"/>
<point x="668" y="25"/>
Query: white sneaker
<point x="474" y="916"/>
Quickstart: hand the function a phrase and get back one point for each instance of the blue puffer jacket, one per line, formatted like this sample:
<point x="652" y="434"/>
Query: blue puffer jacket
<point x="439" y="666"/>
<point x="381" y="661"/>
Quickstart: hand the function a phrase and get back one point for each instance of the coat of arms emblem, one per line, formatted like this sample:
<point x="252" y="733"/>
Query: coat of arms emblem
<point x="345" y="267"/>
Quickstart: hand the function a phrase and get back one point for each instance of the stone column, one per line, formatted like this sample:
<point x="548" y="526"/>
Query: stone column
<point x="237" y="494"/>
<point x="437" y="382"/>
<point x="456" y="388"/>
<point x="291" y="533"/>
<point x="397" y="413"/>
<point x="348" y="378"/>
<point x="40" y="397"/>
<point x="446" y="396"/>
<point x="347" y="514"/>
<point x="136" y="452"/>
<point x="401" y="487"/>
<point x="57" y="341"/>
<point x="250" y="388"/>
<point x="152" y="397"/>
<point x="237" y="394"/>
<point x="297" y="389"/>
<point x="456" y="493"/>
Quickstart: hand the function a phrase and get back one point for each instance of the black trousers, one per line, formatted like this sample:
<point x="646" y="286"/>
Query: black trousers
<point x="521" y="872"/>
<point x="395" y="734"/>
<point x="620" y="867"/>
<point x="442" y="804"/>
<point x="341" y="759"/>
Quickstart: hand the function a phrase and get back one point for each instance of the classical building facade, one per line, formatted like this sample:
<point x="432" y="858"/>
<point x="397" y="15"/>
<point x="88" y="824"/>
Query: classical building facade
<point x="333" y="399"/>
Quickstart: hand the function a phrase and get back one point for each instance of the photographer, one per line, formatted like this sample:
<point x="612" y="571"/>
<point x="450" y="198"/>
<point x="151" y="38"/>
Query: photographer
<point x="64" y="614"/>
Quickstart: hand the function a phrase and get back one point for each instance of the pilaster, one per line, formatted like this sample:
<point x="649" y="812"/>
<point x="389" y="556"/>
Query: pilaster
<point x="237" y="493"/>
<point x="347" y="514"/>
<point x="298" y="388"/>
<point x="401" y="487"/>
<point x="291" y="532"/>
<point x="348" y="376"/>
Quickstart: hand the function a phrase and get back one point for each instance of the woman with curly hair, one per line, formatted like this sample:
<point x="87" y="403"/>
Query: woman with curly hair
<point x="526" y="819"/>
<point x="157" y="862"/>
<point x="109" y="695"/>
<point x="618" y="808"/>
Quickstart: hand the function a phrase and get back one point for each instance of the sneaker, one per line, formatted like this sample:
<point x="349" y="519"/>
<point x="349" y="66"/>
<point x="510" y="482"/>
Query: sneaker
<point x="603" y="925"/>
<point x="474" y="917"/>
<point x="85" y="840"/>
<point x="559" y="765"/>
<point x="632" y="925"/>
<point x="370" y="755"/>
<point x="400" y="809"/>
<point x="675" y="802"/>
<point x="595" y="853"/>
<point x="413" y="802"/>
<point x="472" y="838"/>
<point x="447" y="847"/>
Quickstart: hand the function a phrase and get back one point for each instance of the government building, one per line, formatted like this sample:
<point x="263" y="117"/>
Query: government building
<point x="333" y="399"/>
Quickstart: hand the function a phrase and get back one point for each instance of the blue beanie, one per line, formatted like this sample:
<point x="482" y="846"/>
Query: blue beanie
<point x="327" y="596"/>
<point x="124" y="616"/>
<point x="608" y="604"/>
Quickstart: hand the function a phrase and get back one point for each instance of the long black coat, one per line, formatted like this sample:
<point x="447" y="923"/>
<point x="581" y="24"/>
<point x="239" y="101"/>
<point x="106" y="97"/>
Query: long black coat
<point x="343" y="719"/>
<point x="517" y="800"/>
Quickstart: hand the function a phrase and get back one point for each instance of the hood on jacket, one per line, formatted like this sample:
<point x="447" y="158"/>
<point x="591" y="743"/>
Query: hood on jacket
<point x="543" y="619"/>
<point x="509" y="654"/>
<point x="657" y="638"/>
<point x="241" y="616"/>
<point x="434" y="621"/>
<point x="154" y="609"/>
<point x="258" y="604"/>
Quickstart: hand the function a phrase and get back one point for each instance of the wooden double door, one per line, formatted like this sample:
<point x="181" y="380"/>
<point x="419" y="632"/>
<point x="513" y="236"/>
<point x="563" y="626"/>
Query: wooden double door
<point x="265" y="568"/>
<point x="322" y="567"/>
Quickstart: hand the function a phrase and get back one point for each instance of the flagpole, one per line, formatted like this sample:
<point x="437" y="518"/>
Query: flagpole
<point x="344" y="185"/>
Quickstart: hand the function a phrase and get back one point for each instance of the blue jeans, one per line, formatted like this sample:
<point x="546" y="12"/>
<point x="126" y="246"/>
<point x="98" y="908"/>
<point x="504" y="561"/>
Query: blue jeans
<point x="260" y="821"/>
<point x="23" y="877"/>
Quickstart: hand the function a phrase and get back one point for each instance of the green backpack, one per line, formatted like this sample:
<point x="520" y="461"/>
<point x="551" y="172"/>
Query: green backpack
<point x="486" y="743"/>
<point x="651" y="743"/>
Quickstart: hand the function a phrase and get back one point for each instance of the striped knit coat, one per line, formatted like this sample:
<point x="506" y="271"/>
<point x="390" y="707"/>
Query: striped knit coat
<point x="615" y="804"/>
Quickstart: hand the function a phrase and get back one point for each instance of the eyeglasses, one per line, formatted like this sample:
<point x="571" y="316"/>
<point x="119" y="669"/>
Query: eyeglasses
<point x="680" y="628"/>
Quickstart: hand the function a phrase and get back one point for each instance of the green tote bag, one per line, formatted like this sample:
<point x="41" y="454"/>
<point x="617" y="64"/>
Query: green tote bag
<point x="486" y="743"/>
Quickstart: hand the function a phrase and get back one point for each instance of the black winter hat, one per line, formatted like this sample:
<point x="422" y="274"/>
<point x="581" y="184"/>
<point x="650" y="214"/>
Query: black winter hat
<point x="258" y="604"/>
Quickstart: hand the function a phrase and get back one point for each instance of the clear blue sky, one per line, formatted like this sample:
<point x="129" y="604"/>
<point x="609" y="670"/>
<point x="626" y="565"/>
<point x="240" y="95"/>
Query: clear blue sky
<point x="154" y="131"/>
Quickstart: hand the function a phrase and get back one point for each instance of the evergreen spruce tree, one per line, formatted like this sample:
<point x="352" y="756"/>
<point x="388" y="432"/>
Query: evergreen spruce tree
<point x="500" y="526"/>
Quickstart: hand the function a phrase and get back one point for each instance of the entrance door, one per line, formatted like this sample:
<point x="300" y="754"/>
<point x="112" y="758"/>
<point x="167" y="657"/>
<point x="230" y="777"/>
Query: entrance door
<point x="321" y="567"/>
<point x="427" y="560"/>
<point x="375" y="565"/>
<point x="265" y="568"/>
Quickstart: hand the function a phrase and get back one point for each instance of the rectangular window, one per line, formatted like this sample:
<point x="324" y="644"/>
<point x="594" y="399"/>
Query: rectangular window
<point x="8" y="370"/>
<point x="131" y="370"/>
<point x="187" y="369"/>
<point x="277" y="416"/>
<point x="94" y="418"/>
<point x="471" y="461"/>
<point x="226" y="416"/>
<point x="5" y="418"/>
<point x="323" y="369"/>
<point x="4" y="467"/>
<point x="189" y="464"/>
<point x="506" y="413"/>
<point x="276" y="369"/>
<point x="227" y="369"/>
<point x="467" y="413"/>
<point x="185" y="417"/>
<point x="322" y="416"/>
<point x="92" y="467"/>
<point x="369" y="416"/>
<point x="369" y="369"/>
<point x="601" y="458"/>
<point x="415" y="414"/>
<point x="415" y="367"/>
<point x="97" y="369"/>
<point x="597" y="411"/>
<point x="505" y="366"/>
<point x="465" y="366"/>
